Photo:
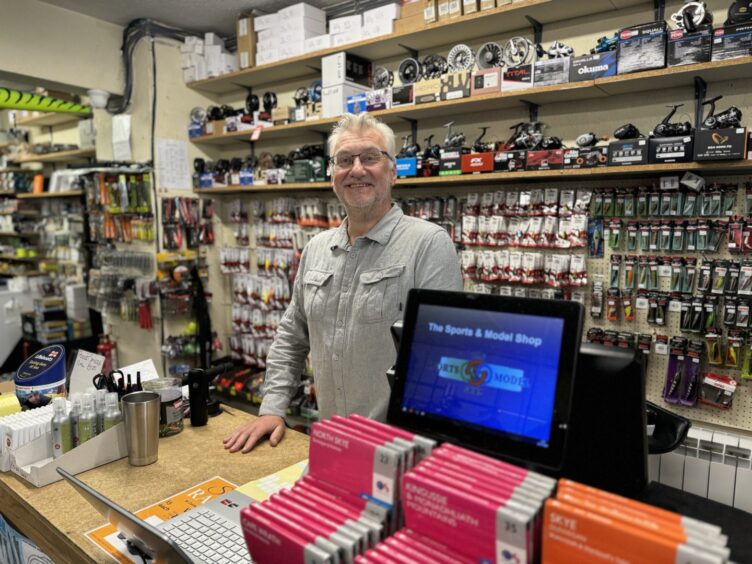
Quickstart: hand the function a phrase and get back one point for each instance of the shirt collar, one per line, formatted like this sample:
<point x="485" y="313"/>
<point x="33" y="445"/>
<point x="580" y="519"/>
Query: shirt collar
<point x="380" y="233"/>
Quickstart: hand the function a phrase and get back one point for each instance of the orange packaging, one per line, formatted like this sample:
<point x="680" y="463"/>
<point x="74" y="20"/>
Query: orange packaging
<point x="572" y="534"/>
<point x="38" y="186"/>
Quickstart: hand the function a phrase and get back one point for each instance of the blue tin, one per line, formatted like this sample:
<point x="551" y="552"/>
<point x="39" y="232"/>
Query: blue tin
<point x="41" y="377"/>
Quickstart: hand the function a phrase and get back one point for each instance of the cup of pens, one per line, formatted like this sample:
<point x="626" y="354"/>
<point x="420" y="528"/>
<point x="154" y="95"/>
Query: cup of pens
<point x="141" y="417"/>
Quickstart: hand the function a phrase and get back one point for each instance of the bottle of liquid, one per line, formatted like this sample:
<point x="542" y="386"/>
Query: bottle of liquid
<point x="75" y="413"/>
<point x="129" y="385"/>
<point x="87" y="421"/>
<point x="138" y="387"/>
<point x="61" y="428"/>
<point x="112" y="415"/>
<point x="99" y="407"/>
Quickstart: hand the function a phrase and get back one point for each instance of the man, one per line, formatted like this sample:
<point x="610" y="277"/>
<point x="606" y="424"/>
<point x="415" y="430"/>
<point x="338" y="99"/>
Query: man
<point x="350" y="288"/>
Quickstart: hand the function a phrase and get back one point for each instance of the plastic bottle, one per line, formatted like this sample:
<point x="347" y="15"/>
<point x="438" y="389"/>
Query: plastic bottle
<point x="112" y="415"/>
<point x="87" y="421"/>
<point x="75" y="413"/>
<point x="61" y="428"/>
<point x="99" y="408"/>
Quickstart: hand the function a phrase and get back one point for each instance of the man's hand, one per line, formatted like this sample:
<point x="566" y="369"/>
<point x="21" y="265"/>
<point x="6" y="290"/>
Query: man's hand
<point x="245" y="438"/>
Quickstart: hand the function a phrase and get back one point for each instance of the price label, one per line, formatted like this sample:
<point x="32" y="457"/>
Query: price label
<point x="675" y="306"/>
<point x="641" y="303"/>
<point x="257" y="132"/>
<point x="661" y="348"/>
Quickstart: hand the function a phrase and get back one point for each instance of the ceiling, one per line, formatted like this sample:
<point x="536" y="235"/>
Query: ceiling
<point x="193" y="15"/>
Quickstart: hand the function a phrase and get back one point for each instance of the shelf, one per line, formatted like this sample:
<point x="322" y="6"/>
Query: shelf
<point x="28" y="273"/>
<point x="491" y="22"/>
<point x="49" y="119"/>
<point x="7" y="193"/>
<point x="47" y="195"/>
<point x="60" y="156"/>
<point x="25" y="259"/>
<point x="571" y="92"/>
<point x="14" y="234"/>
<point x="721" y="167"/>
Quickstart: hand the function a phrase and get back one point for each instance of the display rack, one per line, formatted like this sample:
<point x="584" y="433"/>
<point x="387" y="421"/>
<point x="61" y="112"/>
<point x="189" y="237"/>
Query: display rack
<point x="46" y="195"/>
<point x="48" y="120"/>
<point x="60" y="156"/>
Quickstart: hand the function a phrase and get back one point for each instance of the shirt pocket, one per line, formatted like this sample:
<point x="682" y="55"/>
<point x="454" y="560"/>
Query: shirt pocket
<point x="380" y="294"/>
<point x="316" y="288"/>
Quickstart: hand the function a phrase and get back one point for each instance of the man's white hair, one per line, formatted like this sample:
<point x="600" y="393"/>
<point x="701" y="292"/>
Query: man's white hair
<point x="361" y="122"/>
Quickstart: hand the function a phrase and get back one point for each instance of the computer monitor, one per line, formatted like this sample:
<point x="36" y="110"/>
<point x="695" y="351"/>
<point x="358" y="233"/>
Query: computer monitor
<point x="491" y="372"/>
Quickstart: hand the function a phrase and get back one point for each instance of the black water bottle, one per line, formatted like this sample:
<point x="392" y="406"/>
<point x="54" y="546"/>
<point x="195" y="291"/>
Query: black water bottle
<point x="198" y="393"/>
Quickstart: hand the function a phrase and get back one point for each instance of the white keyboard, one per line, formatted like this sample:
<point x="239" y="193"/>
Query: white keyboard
<point x="208" y="537"/>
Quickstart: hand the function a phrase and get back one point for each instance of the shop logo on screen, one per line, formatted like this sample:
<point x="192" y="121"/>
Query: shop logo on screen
<point x="478" y="373"/>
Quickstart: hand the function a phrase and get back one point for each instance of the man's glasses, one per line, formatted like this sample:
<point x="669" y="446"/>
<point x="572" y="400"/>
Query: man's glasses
<point x="367" y="158"/>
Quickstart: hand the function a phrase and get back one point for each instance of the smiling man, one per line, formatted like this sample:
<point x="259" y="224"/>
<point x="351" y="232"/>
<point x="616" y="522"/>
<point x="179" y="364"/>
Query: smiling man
<point x="350" y="288"/>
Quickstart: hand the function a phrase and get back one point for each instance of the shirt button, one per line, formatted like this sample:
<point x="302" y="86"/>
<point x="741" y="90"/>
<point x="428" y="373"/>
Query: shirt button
<point x="335" y="357"/>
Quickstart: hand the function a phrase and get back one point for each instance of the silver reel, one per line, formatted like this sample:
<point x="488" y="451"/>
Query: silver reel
<point x="490" y="55"/>
<point x="518" y="51"/>
<point x="460" y="58"/>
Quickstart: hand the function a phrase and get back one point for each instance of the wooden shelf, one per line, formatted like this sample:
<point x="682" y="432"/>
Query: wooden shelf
<point x="28" y="273"/>
<point x="7" y="193"/>
<point x="49" y="195"/>
<point x="60" y="156"/>
<point x="491" y="22"/>
<point x="571" y="92"/>
<point x="49" y="119"/>
<point x="721" y="167"/>
<point x="14" y="234"/>
<point x="25" y="259"/>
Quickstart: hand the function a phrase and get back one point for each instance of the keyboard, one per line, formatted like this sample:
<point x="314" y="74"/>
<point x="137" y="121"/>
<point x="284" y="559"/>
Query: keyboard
<point x="208" y="537"/>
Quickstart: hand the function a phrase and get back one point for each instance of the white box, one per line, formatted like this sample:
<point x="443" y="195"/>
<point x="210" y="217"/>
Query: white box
<point x="382" y="13"/>
<point x="300" y="25"/>
<point x="267" y="35"/>
<point x="76" y="305"/>
<point x="743" y="490"/>
<point x="187" y="45"/>
<point x="348" y="37"/>
<point x="334" y="69"/>
<point x="190" y="75"/>
<point x="214" y="60"/>
<point x="346" y="23"/>
<point x="696" y="474"/>
<point x="654" y="467"/>
<point x="295" y="36"/>
<point x="198" y="47"/>
<point x="266" y="57"/>
<point x="333" y="98"/>
<point x="87" y="137"/>
<point x="384" y="27"/>
<point x="230" y="62"/>
<point x="302" y="10"/>
<point x="268" y="45"/>
<point x="291" y="49"/>
<point x="672" y="470"/>
<point x="265" y="22"/>
<point x="721" y="483"/>
<point x="213" y="39"/>
<point x="318" y="43"/>
<point x="201" y="71"/>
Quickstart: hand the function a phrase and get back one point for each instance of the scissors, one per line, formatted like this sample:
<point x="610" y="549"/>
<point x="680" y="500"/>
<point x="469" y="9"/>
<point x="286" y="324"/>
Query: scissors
<point x="103" y="381"/>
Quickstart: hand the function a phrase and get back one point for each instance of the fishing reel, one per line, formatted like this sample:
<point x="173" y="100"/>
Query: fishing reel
<point x="739" y="12"/>
<point x="479" y="146"/>
<point x="409" y="71"/>
<point x="627" y="131"/>
<point x="557" y="50"/>
<point x="382" y="78"/>
<point x="528" y="136"/>
<point x="518" y="51"/>
<point x="314" y="91"/>
<point x="490" y="55"/>
<point x="409" y="149"/>
<point x="668" y="129"/>
<point x="453" y="140"/>
<point x="430" y="163"/>
<point x="433" y="150"/>
<point x="433" y="66"/>
<point x="587" y="140"/>
<point x="270" y="101"/>
<point x="606" y="44"/>
<point x="300" y="97"/>
<point x="691" y="16"/>
<point x="252" y="104"/>
<point x="199" y="115"/>
<point x="731" y="117"/>
<point x="460" y="58"/>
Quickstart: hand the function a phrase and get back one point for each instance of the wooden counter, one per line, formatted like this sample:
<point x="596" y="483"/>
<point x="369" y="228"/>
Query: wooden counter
<point x="56" y="517"/>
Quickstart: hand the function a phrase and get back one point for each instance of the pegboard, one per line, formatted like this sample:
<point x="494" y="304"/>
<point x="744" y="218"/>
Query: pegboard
<point x="738" y="417"/>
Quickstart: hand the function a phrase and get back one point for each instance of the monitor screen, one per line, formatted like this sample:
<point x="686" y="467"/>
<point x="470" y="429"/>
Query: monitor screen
<point x="488" y="371"/>
<point x="488" y="368"/>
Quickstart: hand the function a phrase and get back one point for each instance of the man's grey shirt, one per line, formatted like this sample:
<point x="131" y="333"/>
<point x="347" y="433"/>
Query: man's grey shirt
<point x="345" y="299"/>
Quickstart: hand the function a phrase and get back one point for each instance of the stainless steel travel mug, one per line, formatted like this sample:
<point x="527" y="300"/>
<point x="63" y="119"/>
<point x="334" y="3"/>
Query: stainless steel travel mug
<point x="141" y="417"/>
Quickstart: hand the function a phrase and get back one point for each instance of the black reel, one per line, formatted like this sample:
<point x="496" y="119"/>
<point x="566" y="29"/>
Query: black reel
<point x="279" y="160"/>
<point x="270" y="101"/>
<point x="453" y="140"/>
<point x="251" y="103"/>
<point x="300" y="97"/>
<point x="480" y="146"/>
<point x="199" y="165"/>
<point x="409" y="149"/>
<point x="314" y="91"/>
<point x="731" y="117"/>
<point x="551" y="143"/>
<point x="409" y="71"/>
<point x="691" y="16"/>
<point x="739" y="12"/>
<point x="668" y="129"/>
<point x="236" y="164"/>
<point x="214" y="113"/>
<point x="433" y="66"/>
<point x="433" y="150"/>
<point x="382" y="77"/>
<point x="627" y="131"/>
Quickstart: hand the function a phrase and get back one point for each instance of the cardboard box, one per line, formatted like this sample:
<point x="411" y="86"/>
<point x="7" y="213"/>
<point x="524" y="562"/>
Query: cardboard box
<point x="455" y="85"/>
<point x="407" y="167"/>
<point x="475" y="163"/>
<point x="306" y="26"/>
<point x="265" y="22"/>
<point x="213" y="39"/>
<point x="517" y="78"/>
<point x="431" y="11"/>
<point x="552" y="71"/>
<point x="487" y="5"/>
<point x="427" y="91"/>
<point x="266" y="57"/>
<point x="442" y="9"/>
<point x="509" y="161"/>
<point x="298" y="36"/>
<point x="246" y="39"/>
<point x="268" y="35"/>
<point x="731" y="42"/>
<point x="628" y="152"/>
<point x="403" y="95"/>
<point x="585" y="158"/>
<point x="318" y="43"/>
<point x="343" y="67"/>
<point x="469" y="6"/>
<point x="384" y="13"/>
<point x="384" y="27"/>
<point x="409" y="24"/>
<point x="455" y="9"/>
<point x="302" y="10"/>
<point x="590" y="67"/>
<point x="87" y="134"/>
<point x="411" y="8"/>
<point x="345" y="24"/>
<point x="545" y="160"/>
<point x="485" y="81"/>
<point x="450" y="162"/>
<point x="334" y="98"/>
<point x="356" y="103"/>
<point x="720" y="144"/>
<point x="642" y="47"/>
<point x="689" y="48"/>
<point x="291" y="49"/>
<point x="352" y="36"/>
<point x="379" y="99"/>
<point x="671" y="149"/>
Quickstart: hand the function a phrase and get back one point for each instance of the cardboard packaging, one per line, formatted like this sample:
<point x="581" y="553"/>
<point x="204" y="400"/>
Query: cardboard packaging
<point x="356" y="103"/>
<point x="720" y="144"/>
<point x="431" y="11"/>
<point x="689" y="48"/>
<point x="510" y="161"/>
<point x="343" y="67"/>
<point x="485" y="81"/>
<point x="388" y="12"/>
<point x="517" y="78"/>
<point x="545" y="160"/>
<point x="213" y="39"/>
<point x="345" y="24"/>
<point x="450" y="163"/>
<point x="266" y="57"/>
<point x="489" y="4"/>
<point x="265" y="22"/>
<point x="280" y="116"/>
<point x="384" y="27"/>
<point x="379" y="99"/>
<point x="671" y="149"/>
<point x="291" y="49"/>
<point x="642" y="47"/>
<point x="628" y="152"/>
<point x="409" y="24"/>
<point x="455" y="85"/>
<point x="334" y="98"/>
<point x="475" y="163"/>
<point x="585" y="158"/>
<point x="455" y="9"/>
<point x="552" y="71"/>
<point x="302" y="10"/>
<point x="352" y="36"/>
<point x="407" y="167"/>
<point x="87" y="134"/>
<point x="731" y="42"/>
<point x="318" y="43"/>
<point x="469" y="6"/>
<point x="246" y="38"/>
<point x="426" y="91"/>
<point x="590" y="67"/>
<point x="403" y="95"/>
